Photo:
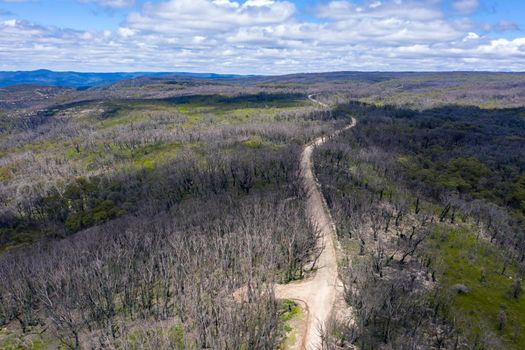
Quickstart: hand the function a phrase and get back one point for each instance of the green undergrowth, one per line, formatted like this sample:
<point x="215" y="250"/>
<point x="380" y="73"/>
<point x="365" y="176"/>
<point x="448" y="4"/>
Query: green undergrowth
<point x="366" y="175"/>
<point x="193" y="112"/>
<point x="169" y="337"/>
<point x="257" y="142"/>
<point x="284" y="276"/>
<point x="221" y="109"/>
<point x="490" y="307"/>
<point x="288" y="312"/>
<point x="467" y="260"/>
<point x="6" y="173"/>
<point x="473" y="177"/>
<point x="18" y="236"/>
<point x="140" y="157"/>
<point x="11" y="340"/>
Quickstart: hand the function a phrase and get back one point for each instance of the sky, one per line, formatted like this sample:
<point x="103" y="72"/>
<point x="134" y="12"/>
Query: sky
<point x="262" y="36"/>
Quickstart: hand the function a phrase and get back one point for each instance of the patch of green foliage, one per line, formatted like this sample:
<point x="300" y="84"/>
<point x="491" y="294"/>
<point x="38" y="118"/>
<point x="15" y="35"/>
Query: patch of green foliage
<point x="140" y="157"/>
<point x="254" y="142"/>
<point x="257" y="142"/>
<point x="10" y="340"/>
<point x="172" y="338"/>
<point x="83" y="203"/>
<point x="5" y="174"/>
<point x="288" y="311"/>
<point x="461" y="174"/>
<point x="102" y="211"/>
<point x="517" y="195"/>
<point x="493" y="291"/>
<point x="467" y="150"/>
<point x="19" y="235"/>
<point x="124" y="117"/>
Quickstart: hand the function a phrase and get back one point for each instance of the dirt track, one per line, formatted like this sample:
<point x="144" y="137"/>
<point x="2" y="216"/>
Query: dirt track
<point x="321" y="291"/>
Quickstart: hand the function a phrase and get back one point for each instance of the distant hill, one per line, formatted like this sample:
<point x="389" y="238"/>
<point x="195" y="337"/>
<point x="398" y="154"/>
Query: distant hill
<point x="85" y="80"/>
<point x="44" y="77"/>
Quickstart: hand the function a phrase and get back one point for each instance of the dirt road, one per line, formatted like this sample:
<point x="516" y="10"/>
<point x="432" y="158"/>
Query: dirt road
<point x="319" y="292"/>
<point x="311" y="98"/>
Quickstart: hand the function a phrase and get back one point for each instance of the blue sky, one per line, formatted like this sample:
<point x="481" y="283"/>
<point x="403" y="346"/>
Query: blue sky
<point x="262" y="36"/>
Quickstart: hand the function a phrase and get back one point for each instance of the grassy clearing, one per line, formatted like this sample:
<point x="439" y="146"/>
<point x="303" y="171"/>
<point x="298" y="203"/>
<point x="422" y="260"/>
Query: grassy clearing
<point x="142" y="157"/>
<point x="123" y="118"/>
<point x="289" y="312"/>
<point x="257" y="142"/>
<point x="478" y="265"/>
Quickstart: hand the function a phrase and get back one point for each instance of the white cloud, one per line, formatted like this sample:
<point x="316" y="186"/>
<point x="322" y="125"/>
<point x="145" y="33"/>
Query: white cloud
<point x="198" y="39"/>
<point x="86" y="36"/>
<point x="258" y="3"/>
<point x="503" y="47"/>
<point x="187" y="16"/>
<point x="471" y="36"/>
<point x="465" y="6"/>
<point x="265" y="36"/>
<point x="112" y="3"/>
<point x="10" y="23"/>
<point x="421" y="10"/>
<point x="375" y="4"/>
<point x="125" y="32"/>
<point x="226" y="3"/>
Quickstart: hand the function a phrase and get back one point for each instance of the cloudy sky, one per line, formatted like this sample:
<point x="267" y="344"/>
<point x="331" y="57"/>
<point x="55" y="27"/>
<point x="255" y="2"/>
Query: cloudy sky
<point x="262" y="36"/>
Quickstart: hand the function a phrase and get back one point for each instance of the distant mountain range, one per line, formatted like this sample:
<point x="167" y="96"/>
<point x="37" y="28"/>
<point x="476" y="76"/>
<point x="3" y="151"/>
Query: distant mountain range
<point x="86" y="80"/>
<point x="79" y="80"/>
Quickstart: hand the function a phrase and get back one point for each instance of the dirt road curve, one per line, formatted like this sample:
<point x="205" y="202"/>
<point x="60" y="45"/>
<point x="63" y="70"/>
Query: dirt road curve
<point x="319" y="292"/>
<point x="311" y="98"/>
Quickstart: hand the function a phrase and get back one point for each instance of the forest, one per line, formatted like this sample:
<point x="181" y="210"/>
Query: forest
<point x="164" y="212"/>
<point x="429" y="210"/>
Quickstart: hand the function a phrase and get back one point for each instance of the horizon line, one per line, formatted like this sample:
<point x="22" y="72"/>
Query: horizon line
<point x="260" y="75"/>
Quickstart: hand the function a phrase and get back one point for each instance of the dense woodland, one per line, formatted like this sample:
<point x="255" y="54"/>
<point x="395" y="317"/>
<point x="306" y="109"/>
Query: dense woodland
<point x="430" y="215"/>
<point x="131" y="215"/>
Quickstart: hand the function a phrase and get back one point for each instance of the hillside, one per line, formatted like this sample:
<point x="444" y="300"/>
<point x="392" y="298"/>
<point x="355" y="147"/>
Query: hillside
<point x="85" y="80"/>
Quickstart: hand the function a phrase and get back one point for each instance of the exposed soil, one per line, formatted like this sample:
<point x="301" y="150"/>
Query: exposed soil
<point x="319" y="292"/>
